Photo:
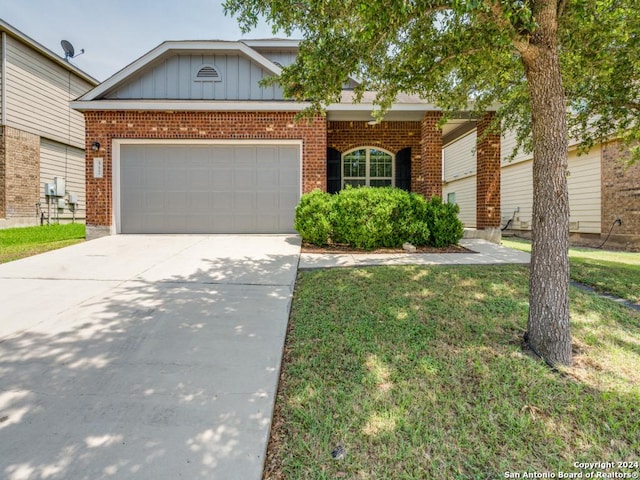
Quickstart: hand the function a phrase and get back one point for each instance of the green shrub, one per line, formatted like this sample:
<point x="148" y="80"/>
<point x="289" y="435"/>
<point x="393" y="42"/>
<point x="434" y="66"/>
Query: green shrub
<point x="444" y="226"/>
<point x="363" y="218"/>
<point x="312" y="217"/>
<point x="370" y="218"/>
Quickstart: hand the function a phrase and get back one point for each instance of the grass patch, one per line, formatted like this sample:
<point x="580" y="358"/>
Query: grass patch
<point x="417" y="372"/>
<point x="18" y="243"/>
<point x="616" y="273"/>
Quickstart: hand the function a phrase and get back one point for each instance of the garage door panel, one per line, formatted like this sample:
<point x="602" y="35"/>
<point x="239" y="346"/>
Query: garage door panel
<point x="244" y="202"/>
<point x="177" y="179"/>
<point x="222" y="203"/>
<point x="153" y="202"/>
<point x="199" y="179"/>
<point x="208" y="188"/>
<point x="177" y="202"/>
<point x="268" y="201"/>
<point x="222" y="179"/>
<point x="267" y="155"/>
<point x="288" y="198"/>
<point x="289" y="155"/>
<point x="244" y="178"/>
<point x="245" y="157"/>
<point x="288" y="177"/>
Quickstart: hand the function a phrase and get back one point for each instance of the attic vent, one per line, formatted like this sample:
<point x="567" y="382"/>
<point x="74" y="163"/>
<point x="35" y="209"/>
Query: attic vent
<point x="208" y="73"/>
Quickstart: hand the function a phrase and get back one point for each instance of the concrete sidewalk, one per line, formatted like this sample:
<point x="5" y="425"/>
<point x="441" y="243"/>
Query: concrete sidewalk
<point x="482" y="253"/>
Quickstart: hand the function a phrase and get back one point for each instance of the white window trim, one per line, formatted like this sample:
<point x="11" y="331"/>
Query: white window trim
<point x="367" y="178"/>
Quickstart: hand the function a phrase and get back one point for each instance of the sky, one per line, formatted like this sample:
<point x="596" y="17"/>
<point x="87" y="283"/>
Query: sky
<point x="114" y="33"/>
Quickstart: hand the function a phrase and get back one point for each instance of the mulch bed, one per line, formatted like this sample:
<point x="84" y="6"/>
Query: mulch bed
<point x="338" y="248"/>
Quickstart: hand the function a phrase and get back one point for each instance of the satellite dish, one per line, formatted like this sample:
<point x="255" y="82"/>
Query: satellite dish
<point x="69" y="51"/>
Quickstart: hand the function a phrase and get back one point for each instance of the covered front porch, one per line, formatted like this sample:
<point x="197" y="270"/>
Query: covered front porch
<point x="405" y="150"/>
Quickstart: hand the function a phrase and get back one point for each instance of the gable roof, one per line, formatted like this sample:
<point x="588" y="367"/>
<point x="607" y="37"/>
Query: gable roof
<point x="45" y="52"/>
<point x="171" y="47"/>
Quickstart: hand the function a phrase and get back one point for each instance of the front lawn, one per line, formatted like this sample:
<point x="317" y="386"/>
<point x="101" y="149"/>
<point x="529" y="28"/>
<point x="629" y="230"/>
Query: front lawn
<point x="18" y="243"/>
<point x="418" y="372"/>
<point x="617" y="273"/>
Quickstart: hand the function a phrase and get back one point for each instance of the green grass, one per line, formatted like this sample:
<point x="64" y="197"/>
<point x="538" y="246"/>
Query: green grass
<point x="18" y="243"/>
<point x="617" y="273"/>
<point x="418" y="373"/>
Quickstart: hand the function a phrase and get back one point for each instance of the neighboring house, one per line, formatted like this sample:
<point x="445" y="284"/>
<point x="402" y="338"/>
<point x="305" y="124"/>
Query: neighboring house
<point x="601" y="190"/>
<point x="41" y="138"/>
<point x="187" y="140"/>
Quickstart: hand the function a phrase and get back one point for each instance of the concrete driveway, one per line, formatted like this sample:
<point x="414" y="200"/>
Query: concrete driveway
<point x="146" y="357"/>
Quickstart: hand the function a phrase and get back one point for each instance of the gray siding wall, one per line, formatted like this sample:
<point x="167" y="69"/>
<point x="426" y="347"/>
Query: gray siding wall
<point x="173" y="79"/>
<point x="59" y="160"/>
<point x="1" y="60"/>
<point x="283" y="58"/>
<point x="584" y="182"/>
<point x="38" y="93"/>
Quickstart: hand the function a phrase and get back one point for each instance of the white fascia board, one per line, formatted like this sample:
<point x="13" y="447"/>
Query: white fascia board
<point x="189" y="105"/>
<point x="272" y="43"/>
<point x="184" y="46"/>
<point x="396" y="107"/>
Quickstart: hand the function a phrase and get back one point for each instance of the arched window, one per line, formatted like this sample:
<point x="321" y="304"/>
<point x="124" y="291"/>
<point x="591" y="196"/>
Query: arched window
<point x="368" y="166"/>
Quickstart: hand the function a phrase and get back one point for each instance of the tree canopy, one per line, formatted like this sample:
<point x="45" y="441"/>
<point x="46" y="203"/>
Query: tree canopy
<point x="552" y="68"/>
<point x="463" y="55"/>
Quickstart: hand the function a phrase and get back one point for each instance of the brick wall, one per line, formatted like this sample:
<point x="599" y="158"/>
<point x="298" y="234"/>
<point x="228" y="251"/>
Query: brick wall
<point x="430" y="174"/>
<point x="620" y="198"/>
<point x="103" y="127"/>
<point x="19" y="174"/>
<point x="488" y="175"/>
<point x="391" y="136"/>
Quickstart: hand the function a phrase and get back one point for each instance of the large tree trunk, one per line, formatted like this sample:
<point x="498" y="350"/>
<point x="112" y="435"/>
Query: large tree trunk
<point x="548" y="323"/>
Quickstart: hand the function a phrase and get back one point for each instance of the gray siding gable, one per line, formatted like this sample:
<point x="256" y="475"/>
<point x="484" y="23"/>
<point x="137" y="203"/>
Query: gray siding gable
<point x="173" y="77"/>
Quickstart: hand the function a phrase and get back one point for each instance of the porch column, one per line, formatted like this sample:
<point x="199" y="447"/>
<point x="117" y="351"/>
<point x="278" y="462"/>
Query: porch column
<point x="488" y="174"/>
<point x="431" y="164"/>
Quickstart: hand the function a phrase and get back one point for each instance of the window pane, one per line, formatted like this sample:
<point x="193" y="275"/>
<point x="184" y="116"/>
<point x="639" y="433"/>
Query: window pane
<point x="355" y="183"/>
<point x="381" y="164"/>
<point x="380" y="183"/>
<point x="355" y="164"/>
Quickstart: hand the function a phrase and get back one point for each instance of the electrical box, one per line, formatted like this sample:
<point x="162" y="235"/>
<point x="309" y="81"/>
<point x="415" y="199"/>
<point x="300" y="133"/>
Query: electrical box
<point x="73" y="199"/>
<point x="50" y="189"/>
<point x="62" y="203"/>
<point x="61" y="186"/>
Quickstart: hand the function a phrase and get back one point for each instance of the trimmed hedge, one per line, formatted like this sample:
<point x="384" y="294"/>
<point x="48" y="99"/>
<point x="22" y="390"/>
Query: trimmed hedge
<point x="370" y="218"/>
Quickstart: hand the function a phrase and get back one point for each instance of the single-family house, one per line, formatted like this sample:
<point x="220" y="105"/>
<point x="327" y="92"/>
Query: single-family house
<point x="41" y="137"/>
<point x="187" y="140"/>
<point x="604" y="193"/>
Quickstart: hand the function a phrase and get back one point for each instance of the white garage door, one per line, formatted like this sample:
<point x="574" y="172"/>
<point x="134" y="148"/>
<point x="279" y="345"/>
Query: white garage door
<point x="208" y="188"/>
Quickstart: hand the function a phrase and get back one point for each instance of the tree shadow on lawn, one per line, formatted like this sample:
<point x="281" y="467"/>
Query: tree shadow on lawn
<point x="154" y="379"/>
<point x="419" y="373"/>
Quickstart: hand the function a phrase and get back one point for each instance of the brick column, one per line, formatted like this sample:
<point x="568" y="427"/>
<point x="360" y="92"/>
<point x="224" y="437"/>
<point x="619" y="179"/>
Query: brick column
<point x="488" y="174"/>
<point x="431" y="162"/>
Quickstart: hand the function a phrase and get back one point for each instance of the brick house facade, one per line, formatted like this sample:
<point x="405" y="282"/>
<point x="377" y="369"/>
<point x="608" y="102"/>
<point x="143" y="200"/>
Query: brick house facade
<point x="226" y="117"/>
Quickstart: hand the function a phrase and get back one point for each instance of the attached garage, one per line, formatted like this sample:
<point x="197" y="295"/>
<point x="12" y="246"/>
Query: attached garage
<point x="206" y="187"/>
